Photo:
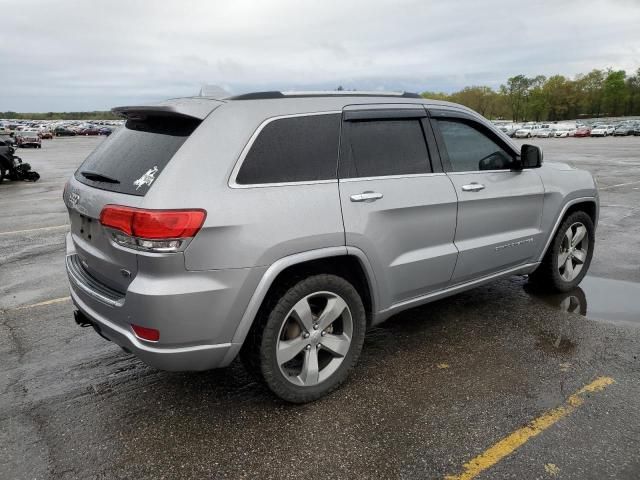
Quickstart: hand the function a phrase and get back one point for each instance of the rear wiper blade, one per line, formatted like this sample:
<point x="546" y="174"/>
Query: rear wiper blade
<point x="98" y="177"/>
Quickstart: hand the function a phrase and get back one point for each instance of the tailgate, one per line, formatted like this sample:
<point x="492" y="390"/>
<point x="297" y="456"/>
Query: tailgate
<point x="121" y="171"/>
<point x="99" y="256"/>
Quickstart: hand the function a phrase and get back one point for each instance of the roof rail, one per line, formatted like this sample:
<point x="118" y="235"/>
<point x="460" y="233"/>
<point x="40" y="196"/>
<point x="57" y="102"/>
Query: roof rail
<point x="332" y="93"/>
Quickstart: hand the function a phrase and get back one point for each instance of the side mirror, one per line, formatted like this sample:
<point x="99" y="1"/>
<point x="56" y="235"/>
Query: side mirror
<point x="530" y="156"/>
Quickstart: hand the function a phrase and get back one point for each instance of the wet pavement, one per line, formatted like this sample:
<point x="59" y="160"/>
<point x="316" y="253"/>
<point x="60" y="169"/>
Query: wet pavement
<point x="601" y="299"/>
<point x="436" y="385"/>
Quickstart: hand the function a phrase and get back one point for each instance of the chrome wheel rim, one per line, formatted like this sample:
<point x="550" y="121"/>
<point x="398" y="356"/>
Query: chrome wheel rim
<point x="573" y="251"/>
<point x="314" y="338"/>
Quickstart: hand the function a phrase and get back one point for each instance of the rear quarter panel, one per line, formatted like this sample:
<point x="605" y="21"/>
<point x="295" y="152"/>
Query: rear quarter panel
<point x="245" y="227"/>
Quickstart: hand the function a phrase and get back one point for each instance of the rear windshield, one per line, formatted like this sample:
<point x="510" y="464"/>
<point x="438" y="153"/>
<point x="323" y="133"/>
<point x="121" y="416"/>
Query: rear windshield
<point x="132" y="158"/>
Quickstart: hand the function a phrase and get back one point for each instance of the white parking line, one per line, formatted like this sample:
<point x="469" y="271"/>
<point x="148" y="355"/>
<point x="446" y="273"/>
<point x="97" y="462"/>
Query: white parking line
<point x="42" y="229"/>
<point x="618" y="185"/>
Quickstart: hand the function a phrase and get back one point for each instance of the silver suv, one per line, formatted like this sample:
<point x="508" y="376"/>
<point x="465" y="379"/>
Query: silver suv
<point x="279" y="227"/>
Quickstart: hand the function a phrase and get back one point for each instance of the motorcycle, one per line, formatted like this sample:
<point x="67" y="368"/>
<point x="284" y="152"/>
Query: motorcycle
<point x="12" y="167"/>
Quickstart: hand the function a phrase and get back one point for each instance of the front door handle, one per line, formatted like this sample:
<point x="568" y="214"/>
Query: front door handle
<point x="473" y="187"/>
<point x="366" y="197"/>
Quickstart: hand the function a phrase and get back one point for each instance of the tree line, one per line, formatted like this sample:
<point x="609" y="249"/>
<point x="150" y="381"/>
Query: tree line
<point x="599" y="93"/>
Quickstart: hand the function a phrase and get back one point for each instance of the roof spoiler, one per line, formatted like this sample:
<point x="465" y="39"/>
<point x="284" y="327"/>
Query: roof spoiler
<point x="190" y="107"/>
<point x="144" y="112"/>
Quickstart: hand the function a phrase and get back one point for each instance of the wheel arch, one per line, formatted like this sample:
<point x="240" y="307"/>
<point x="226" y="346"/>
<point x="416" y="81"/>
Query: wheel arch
<point x="589" y="205"/>
<point x="348" y="262"/>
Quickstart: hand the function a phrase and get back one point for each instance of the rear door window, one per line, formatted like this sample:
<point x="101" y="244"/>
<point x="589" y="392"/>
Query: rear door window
<point x="376" y="148"/>
<point x="294" y="149"/>
<point x="132" y="158"/>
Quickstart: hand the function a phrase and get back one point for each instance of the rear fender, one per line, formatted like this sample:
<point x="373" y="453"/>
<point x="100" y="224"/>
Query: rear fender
<point x="272" y="273"/>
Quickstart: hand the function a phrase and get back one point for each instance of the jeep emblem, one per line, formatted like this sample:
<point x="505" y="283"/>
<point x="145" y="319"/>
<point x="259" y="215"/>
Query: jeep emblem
<point x="74" y="198"/>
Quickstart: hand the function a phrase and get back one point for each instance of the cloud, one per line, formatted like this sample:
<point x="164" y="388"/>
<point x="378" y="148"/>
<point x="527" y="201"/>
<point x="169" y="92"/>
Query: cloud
<point x="79" y="55"/>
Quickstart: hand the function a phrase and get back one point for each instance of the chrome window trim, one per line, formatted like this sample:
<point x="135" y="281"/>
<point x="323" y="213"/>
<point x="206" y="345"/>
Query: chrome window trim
<point x="391" y="177"/>
<point x="502" y="170"/>
<point x="232" y="183"/>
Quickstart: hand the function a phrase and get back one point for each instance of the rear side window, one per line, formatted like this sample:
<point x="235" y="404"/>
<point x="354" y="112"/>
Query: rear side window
<point x="376" y="148"/>
<point x="295" y="149"/>
<point x="132" y="158"/>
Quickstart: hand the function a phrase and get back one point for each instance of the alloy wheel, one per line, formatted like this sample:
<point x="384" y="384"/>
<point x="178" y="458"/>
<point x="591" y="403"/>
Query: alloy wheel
<point x="314" y="338"/>
<point x="573" y="251"/>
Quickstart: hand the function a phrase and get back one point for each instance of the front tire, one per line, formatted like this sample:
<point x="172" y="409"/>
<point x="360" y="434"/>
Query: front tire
<point x="568" y="258"/>
<point x="308" y="338"/>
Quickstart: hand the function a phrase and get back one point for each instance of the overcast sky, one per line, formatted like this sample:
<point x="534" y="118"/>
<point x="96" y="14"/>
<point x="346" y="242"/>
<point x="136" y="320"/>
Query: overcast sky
<point x="62" y="55"/>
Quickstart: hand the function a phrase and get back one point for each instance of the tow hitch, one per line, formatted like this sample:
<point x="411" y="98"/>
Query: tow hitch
<point x="84" y="321"/>
<point x="81" y="319"/>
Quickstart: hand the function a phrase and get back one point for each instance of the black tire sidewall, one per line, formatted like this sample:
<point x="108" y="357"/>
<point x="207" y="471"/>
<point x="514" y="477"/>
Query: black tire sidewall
<point x="270" y="370"/>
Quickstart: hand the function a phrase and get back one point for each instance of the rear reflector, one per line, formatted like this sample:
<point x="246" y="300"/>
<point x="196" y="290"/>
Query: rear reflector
<point x="144" y="333"/>
<point x="153" y="224"/>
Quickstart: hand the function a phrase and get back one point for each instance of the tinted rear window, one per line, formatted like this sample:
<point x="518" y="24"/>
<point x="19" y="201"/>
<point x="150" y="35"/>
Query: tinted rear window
<point x="383" y="147"/>
<point x="134" y="156"/>
<point x="295" y="149"/>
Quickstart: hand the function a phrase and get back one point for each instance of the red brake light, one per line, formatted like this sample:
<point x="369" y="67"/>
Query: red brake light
<point x="153" y="224"/>
<point x="150" y="334"/>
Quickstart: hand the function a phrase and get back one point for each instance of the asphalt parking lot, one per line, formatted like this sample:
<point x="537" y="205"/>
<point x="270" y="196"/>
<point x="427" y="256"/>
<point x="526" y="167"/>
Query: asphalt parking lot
<point x="498" y="382"/>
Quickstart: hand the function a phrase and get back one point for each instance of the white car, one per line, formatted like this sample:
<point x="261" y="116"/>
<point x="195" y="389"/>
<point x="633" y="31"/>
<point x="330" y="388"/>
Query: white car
<point x="525" y="132"/>
<point x="602" y="130"/>
<point x="564" y="132"/>
<point x="544" y="133"/>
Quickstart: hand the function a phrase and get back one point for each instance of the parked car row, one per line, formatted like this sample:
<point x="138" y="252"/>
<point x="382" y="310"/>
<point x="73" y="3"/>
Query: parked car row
<point x="625" y="128"/>
<point x="24" y="138"/>
<point x="49" y="129"/>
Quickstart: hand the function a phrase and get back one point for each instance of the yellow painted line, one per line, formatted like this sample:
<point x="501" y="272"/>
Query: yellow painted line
<point x="56" y="227"/>
<point x="509" y="444"/>
<point x="42" y="304"/>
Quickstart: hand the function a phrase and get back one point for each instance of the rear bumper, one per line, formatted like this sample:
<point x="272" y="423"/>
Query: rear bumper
<point x="192" y="358"/>
<point x="197" y="313"/>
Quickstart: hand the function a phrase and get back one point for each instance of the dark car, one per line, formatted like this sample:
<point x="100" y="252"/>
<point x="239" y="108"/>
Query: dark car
<point x="623" y="130"/>
<point x="105" y="131"/>
<point x="89" y="131"/>
<point x="64" y="132"/>
<point x="28" y="138"/>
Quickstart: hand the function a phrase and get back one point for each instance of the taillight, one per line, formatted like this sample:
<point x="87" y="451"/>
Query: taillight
<point x="153" y="230"/>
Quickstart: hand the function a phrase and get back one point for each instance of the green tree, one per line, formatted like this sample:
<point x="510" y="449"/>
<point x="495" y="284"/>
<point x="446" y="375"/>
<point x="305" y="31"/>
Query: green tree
<point x="478" y="98"/>
<point x="615" y="91"/>
<point x="435" y="96"/>
<point x="633" y="94"/>
<point x="537" y="101"/>
<point x="557" y="90"/>
<point x="592" y="86"/>
<point x="516" y="93"/>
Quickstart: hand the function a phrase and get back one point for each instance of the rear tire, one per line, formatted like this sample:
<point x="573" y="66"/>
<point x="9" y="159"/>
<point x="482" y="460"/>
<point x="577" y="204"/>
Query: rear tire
<point x="307" y="338"/>
<point x="569" y="255"/>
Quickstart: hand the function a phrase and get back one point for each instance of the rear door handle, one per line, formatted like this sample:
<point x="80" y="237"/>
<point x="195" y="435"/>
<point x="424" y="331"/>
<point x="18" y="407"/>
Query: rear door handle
<point x="366" y="197"/>
<point x="473" y="187"/>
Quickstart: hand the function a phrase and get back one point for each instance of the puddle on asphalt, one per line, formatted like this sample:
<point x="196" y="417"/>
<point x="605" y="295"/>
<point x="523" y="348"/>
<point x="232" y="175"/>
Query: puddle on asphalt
<point x="597" y="298"/>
